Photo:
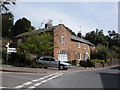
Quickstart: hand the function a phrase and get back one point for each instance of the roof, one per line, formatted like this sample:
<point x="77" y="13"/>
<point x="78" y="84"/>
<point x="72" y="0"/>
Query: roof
<point x="37" y="31"/>
<point x="73" y="37"/>
<point x="81" y="40"/>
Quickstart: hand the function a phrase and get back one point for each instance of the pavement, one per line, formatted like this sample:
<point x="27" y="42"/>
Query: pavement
<point x="8" y="68"/>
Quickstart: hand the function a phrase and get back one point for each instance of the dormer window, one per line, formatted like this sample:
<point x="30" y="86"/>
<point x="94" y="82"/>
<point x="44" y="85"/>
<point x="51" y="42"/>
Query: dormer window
<point x="62" y="40"/>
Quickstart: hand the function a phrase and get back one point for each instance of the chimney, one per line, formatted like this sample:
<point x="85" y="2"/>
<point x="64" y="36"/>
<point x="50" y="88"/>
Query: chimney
<point x="46" y="25"/>
<point x="79" y="34"/>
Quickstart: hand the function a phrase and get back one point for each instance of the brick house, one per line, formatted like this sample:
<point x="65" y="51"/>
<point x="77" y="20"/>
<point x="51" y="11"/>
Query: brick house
<point x="70" y="47"/>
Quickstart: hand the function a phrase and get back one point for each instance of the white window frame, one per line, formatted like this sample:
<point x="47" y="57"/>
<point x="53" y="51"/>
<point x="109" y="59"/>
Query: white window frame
<point x="84" y="46"/>
<point x="79" y="56"/>
<point x="62" y="39"/>
<point x="88" y="47"/>
<point x="79" y="45"/>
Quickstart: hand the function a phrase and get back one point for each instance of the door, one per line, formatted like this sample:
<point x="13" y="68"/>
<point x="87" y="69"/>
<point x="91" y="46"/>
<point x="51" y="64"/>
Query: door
<point x="53" y="62"/>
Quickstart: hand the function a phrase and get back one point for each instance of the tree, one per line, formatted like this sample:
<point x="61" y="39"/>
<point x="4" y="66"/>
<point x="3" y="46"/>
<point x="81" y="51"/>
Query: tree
<point x="101" y="53"/>
<point x="113" y="38"/>
<point x="97" y="37"/>
<point x="7" y="24"/>
<point x="4" y="5"/>
<point x="21" y="26"/>
<point x="38" y="44"/>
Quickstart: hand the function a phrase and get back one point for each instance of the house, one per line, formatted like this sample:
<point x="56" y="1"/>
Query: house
<point x="70" y="47"/>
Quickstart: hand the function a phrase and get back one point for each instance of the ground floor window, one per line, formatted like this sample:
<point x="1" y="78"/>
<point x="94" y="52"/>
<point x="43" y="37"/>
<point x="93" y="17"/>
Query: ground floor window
<point x="79" y="56"/>
<point x="86" y="56"/>
<point x="62" y="55"/>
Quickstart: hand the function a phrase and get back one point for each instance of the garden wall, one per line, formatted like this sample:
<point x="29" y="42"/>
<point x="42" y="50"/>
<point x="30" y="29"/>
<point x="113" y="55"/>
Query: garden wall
<point x="112" y="62"/>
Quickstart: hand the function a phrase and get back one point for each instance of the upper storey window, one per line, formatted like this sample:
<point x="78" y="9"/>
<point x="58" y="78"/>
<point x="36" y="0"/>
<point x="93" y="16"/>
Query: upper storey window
<point x="62" y="40"/>
<point x="84" y="46"/>
<point x="79" y="45"/>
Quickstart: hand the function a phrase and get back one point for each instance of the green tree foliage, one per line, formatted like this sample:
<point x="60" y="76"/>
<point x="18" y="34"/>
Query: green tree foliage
<point x="38" y="44"/>
<point x="7" y="24"/>
<point x="97" y="37"/>
<point x="101" y="53"/>
<point x="113" y="39"/>
<point x="4" y="5"/>
<point x="21" y="26"/>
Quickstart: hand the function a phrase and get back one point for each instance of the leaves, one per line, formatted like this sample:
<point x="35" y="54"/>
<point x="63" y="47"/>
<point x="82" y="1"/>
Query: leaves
<point x="4" y="5"/>
<point x="38" y="44"/>
<point x="21" y="26"/>
<point x="7" y="24"/>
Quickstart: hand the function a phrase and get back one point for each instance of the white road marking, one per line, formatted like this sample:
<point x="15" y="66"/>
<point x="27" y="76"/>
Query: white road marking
<point x="2" y="87"/>
<point x="27" y="83"/>
<point x="44" y="81"/>
<point x="38" y="84"/>
<point x="20" y="86"/>
<point x="32" y="87"/>
<point x="44" y="77"/>
<point x="36" y="80"/>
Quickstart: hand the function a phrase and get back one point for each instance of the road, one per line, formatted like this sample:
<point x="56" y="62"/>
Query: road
<point x="101" y="78"/>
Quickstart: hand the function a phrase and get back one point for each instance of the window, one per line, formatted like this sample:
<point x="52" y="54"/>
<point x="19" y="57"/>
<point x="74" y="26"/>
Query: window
<point x="62" y="52"/>
<point x="79" y="56"/>
<point x="78" y="44"/>
<point x="84" y="46"/>
<point x="45" y="59"/>
<point x="52" y="59"/>
<point x="19" y="41"/>
<point x="88" y="47"/>
<point x="62" y="40"/>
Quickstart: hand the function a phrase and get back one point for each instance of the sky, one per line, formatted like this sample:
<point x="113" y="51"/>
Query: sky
<point x="78" y="16"/>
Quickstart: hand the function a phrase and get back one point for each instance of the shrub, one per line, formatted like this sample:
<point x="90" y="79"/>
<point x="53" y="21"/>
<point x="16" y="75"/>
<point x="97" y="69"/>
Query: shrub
<point x="97" y="61"/>
<point x="101" y="53"/>
<point x="87" y="63"/>
<point x="73" y="62"/>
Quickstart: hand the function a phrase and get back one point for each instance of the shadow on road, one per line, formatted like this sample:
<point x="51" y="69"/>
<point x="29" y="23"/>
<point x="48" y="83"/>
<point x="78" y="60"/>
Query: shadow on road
<point x="117" y="67"/>
<point x="110" y="80"/>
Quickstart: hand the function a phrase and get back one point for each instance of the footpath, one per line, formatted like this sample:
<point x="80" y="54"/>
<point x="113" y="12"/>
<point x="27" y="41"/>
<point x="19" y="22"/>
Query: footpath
<point x="8" y="68"/>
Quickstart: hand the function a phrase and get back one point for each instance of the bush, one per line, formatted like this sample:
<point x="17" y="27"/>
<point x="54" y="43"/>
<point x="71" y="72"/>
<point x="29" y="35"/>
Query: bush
<point x="97" y="61"/>
<point x="101" y="53"/>
<point x="87" y="63"/>
<point x="73" y="62"/>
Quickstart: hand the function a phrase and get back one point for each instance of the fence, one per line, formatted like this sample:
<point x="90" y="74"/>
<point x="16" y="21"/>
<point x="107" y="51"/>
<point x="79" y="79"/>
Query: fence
<point x="112" y="62"/>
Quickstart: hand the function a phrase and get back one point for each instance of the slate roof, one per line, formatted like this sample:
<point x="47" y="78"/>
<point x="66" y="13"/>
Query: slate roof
<point x="73" y="37"/>
<point x="36" y="31"/>
<point x="81" y="40"/>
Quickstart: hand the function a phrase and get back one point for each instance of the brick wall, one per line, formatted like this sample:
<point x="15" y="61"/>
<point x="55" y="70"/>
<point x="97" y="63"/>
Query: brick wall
<point x="58" y="32"/>
<point x="70" y="46"/>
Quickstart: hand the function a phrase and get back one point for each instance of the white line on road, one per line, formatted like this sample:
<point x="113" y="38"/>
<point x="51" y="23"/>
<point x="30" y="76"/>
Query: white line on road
<point x="36" y="80"/>
<point x="32" y="87"/>
<point x="2" y="87"/>
<point x="27" y="83"/>
<point x="19" y="86"/>
<point x="38" y="84"/>
<point x="44" y="77"/>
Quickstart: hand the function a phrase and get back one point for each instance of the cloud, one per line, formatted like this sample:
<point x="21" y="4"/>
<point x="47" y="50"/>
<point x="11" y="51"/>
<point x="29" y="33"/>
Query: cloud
<point x="36" y="14"/>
